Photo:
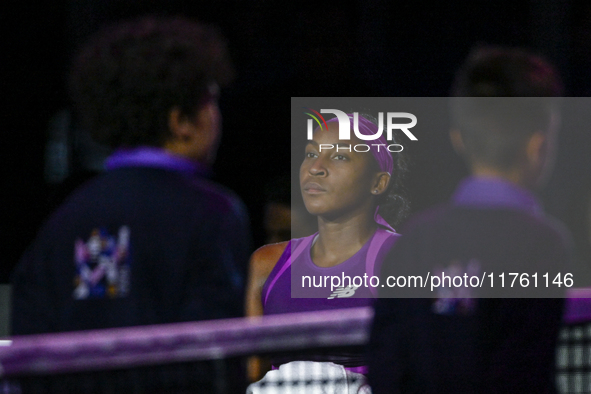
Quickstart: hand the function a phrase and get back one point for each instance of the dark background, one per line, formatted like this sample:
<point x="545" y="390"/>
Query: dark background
<point x="280" y="50"/>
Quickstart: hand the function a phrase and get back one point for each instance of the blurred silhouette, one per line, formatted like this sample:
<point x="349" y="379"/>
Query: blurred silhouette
<point x="151" y="240"/>
<point x="449" y="340"/>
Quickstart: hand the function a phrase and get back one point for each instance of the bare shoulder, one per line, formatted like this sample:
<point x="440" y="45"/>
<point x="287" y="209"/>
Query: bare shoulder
<point x="262" y="262"/>
<point x="268" y="254"/>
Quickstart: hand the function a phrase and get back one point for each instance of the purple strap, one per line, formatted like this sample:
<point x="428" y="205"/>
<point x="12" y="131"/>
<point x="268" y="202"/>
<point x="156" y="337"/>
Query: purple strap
<point x="287" y="262"/>
<point x="381" y="221"/>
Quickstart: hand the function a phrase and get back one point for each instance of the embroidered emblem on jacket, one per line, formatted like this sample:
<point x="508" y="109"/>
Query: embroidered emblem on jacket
<point x="102" y="265"/>
<point x="456" y="300"/>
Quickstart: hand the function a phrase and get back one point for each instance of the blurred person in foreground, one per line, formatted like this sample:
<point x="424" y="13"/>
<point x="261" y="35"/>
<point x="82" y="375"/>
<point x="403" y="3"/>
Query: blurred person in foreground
<point x="151" y="240"/>
<point x="450" y="340"/>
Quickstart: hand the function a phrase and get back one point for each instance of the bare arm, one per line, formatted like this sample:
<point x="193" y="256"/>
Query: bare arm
<point x="260" y="266"/>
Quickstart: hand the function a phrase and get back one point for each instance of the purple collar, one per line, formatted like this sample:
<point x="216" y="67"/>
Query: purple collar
<point x="145" y="156"/>
<point x="489" y="192"/>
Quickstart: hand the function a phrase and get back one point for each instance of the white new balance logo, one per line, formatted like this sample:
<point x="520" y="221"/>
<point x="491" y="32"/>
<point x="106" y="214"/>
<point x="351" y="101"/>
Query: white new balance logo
<point x="343" y="292"/>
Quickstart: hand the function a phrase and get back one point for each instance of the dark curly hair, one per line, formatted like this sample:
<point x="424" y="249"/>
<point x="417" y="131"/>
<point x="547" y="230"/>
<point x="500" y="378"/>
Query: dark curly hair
<point x="394" y="203"/>
<point x="130" y="75"/>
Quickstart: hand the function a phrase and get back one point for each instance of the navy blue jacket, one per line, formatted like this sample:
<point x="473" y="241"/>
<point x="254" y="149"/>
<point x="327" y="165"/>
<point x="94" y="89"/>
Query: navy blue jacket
<point x="479" y="345"/>
<point x="137" y="245"/>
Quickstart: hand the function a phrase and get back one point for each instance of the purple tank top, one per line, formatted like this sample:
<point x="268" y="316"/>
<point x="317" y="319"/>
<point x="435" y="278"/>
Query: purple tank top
<point x="295" y="263"/>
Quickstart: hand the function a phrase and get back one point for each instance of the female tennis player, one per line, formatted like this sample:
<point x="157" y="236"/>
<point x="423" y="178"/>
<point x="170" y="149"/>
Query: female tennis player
<point x="348" y="191"/>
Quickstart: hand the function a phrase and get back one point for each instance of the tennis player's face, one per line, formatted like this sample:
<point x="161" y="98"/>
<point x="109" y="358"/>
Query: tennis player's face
<point x="336" y="182"/>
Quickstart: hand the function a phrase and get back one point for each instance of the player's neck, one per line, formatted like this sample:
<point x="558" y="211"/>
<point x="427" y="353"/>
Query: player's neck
<point x="338" y="240"/>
